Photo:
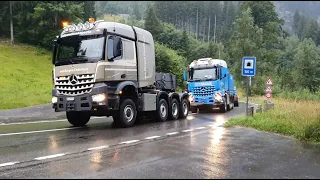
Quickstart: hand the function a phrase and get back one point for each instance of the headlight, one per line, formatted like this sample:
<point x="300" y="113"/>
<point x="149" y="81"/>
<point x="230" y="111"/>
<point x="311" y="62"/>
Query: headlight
<point x="218" y="97"/>
<point x="99" y="97"/>
<point x="191" y="98"/>
<point x="54" y="100"/>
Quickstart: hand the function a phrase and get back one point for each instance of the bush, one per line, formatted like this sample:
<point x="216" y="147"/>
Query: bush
<point x="303" y="94"/>
<point x="312" y="132"/>
<point x="168" y="61"/>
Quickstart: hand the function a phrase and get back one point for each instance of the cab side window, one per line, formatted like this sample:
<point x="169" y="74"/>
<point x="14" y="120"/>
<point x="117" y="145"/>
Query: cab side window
<point x="114" y="47"/>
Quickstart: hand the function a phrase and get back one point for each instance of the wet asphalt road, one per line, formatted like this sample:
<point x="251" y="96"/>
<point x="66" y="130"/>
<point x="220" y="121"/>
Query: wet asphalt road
<point x="198" y="147"/>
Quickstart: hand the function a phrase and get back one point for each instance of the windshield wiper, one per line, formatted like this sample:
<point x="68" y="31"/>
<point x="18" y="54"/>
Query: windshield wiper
<point x="195" y="79"/>
<point x="64" y="61"/>
<point x="80" y="58"/>
<point x="72" y="60"/>
<point x="210" y="79"/>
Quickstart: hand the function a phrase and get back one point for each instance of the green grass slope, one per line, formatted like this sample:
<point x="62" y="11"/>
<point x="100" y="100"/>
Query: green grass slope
<point x="25" y="77"/>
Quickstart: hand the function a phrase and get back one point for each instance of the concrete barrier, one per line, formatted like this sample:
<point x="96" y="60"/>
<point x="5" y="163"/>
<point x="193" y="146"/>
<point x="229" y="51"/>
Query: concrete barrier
<point x="268" y="105"/>
<point x="257" y="108"/>
<point x="251" y="110"/>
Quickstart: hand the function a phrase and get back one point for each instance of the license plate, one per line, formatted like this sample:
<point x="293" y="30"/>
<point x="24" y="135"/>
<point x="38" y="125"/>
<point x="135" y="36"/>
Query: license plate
<point x="70" y="98"/>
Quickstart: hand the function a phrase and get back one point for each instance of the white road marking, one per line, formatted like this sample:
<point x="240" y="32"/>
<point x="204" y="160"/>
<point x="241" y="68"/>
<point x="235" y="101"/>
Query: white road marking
<point x="99" y="147"/>
<point x="128" y="142"/>
<point x="172" y="133"/>
<point x="46" y="121"/>
<point x="31" y="132"/>
<point x="8" y="164"/>
<point x="152" y="137"/>
<point x="200" y="127"/>
<point x="33" y="122"/>
<point x="49" y="157"/>
<point x="187" y="130"/>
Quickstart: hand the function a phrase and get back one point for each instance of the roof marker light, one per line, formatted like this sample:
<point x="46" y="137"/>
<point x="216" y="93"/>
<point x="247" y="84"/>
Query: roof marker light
<point x="65" y="24"/>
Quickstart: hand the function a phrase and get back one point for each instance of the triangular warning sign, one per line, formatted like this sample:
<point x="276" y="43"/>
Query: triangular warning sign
<point x="268" y="89"/>
<point x="269" y="82"/>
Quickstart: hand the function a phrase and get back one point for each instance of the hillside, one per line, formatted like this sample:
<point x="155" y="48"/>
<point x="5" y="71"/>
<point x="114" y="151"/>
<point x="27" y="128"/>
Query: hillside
<point x="25" y="77"/>
<point x="286" y="10"/>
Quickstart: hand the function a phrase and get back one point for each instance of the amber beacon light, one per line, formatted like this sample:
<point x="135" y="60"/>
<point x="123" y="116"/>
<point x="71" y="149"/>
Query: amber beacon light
<point x="91" y="20"/>
<point x="65" y="24"/>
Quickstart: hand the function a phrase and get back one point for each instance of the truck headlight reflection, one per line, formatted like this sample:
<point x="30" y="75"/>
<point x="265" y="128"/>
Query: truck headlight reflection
<point x="218" y="97"/>
<point x="99" y="97"/>
<point x="191" y="98"/>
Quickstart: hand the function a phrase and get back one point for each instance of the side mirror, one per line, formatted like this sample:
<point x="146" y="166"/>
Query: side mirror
<point x="185" y="76"/>
<point x="54" y="42"/>
<point x="116" y="47"/>
<point x="190" y="73"/>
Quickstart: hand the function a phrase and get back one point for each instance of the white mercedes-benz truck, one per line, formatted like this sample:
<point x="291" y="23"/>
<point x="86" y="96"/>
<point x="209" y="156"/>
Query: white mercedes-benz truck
<point x="108" y="69"/>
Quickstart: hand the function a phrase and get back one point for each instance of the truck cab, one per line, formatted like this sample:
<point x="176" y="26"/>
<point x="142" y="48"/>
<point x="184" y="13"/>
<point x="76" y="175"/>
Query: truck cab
<point x="210" y="85"/>
<point x="108" y="69"/>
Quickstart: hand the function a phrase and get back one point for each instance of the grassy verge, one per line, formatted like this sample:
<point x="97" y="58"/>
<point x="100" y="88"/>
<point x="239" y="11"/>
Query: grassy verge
<point x="25" y="77"/>
<point x="299" y="119"/>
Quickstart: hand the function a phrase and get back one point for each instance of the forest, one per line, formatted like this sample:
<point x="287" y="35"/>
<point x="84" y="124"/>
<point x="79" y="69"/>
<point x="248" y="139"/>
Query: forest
<point x="184" y="31"/>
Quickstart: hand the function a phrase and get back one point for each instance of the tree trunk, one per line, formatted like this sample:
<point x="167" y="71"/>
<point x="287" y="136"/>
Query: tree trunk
<point x="209" y="30"/>
<point x="197" y="26"/>
<point x="215" y="28"/>
<point x="11" y="23"/>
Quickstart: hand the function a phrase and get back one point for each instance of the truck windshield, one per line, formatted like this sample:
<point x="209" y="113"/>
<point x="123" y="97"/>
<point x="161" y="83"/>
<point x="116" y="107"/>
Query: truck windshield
<point x="80" y="50"/>
<point x="204" y="74"/>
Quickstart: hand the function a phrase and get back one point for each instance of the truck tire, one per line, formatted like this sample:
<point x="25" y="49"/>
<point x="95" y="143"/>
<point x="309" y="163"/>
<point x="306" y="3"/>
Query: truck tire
<point x="223" y="108"/>
<point x="126" y="116"/>
<point x="184" y="109"/>
<point x="236" y="104"/>
<point x="162" y="111"/>
<point x="194" y="109"/>
<point x="139" y="118"/>
<point x="174" y="110"/>
<point x="229" y="106"/>
<point x="78" y="118"/>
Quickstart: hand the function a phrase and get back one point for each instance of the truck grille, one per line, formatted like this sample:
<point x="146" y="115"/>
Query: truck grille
<point x="74" y="84"/>
<point x="203" y="91"/>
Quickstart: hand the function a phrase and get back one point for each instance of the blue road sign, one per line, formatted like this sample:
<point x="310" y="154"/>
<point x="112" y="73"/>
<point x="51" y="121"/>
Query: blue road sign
<point x="248" y="66"/>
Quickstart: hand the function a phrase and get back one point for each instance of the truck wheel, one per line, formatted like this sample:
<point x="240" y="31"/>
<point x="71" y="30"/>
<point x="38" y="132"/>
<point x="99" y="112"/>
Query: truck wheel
<point x="229" y="105"/>
<point x="194" y="109"/>
<point x="126" y="116"/>
<point x="78" y="119"/>
<point x="236" y="104"/>
<point x="223" y="108"/>
<point x="162" y="111"/>
<point x="174" y="110"/>
<point x="139" y="118"/>
<point x="184" y="109"/>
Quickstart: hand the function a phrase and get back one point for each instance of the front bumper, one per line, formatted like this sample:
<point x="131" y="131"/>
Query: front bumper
<point x="84" y="102"/>
<point x="204" y="101"/>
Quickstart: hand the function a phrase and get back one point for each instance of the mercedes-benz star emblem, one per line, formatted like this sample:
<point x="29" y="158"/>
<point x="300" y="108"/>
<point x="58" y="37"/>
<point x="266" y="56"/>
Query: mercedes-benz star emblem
<point x="203" y="89"/>
<point x="73" y="79"/>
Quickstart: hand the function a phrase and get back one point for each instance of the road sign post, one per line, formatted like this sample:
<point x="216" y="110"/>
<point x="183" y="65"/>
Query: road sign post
<point x="248" y="70"/>
<point x="269" y="84"/>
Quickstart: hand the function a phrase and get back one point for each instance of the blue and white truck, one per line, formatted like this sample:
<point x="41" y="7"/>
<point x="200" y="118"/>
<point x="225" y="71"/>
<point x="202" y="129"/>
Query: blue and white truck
<point x="210" y="85"/>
